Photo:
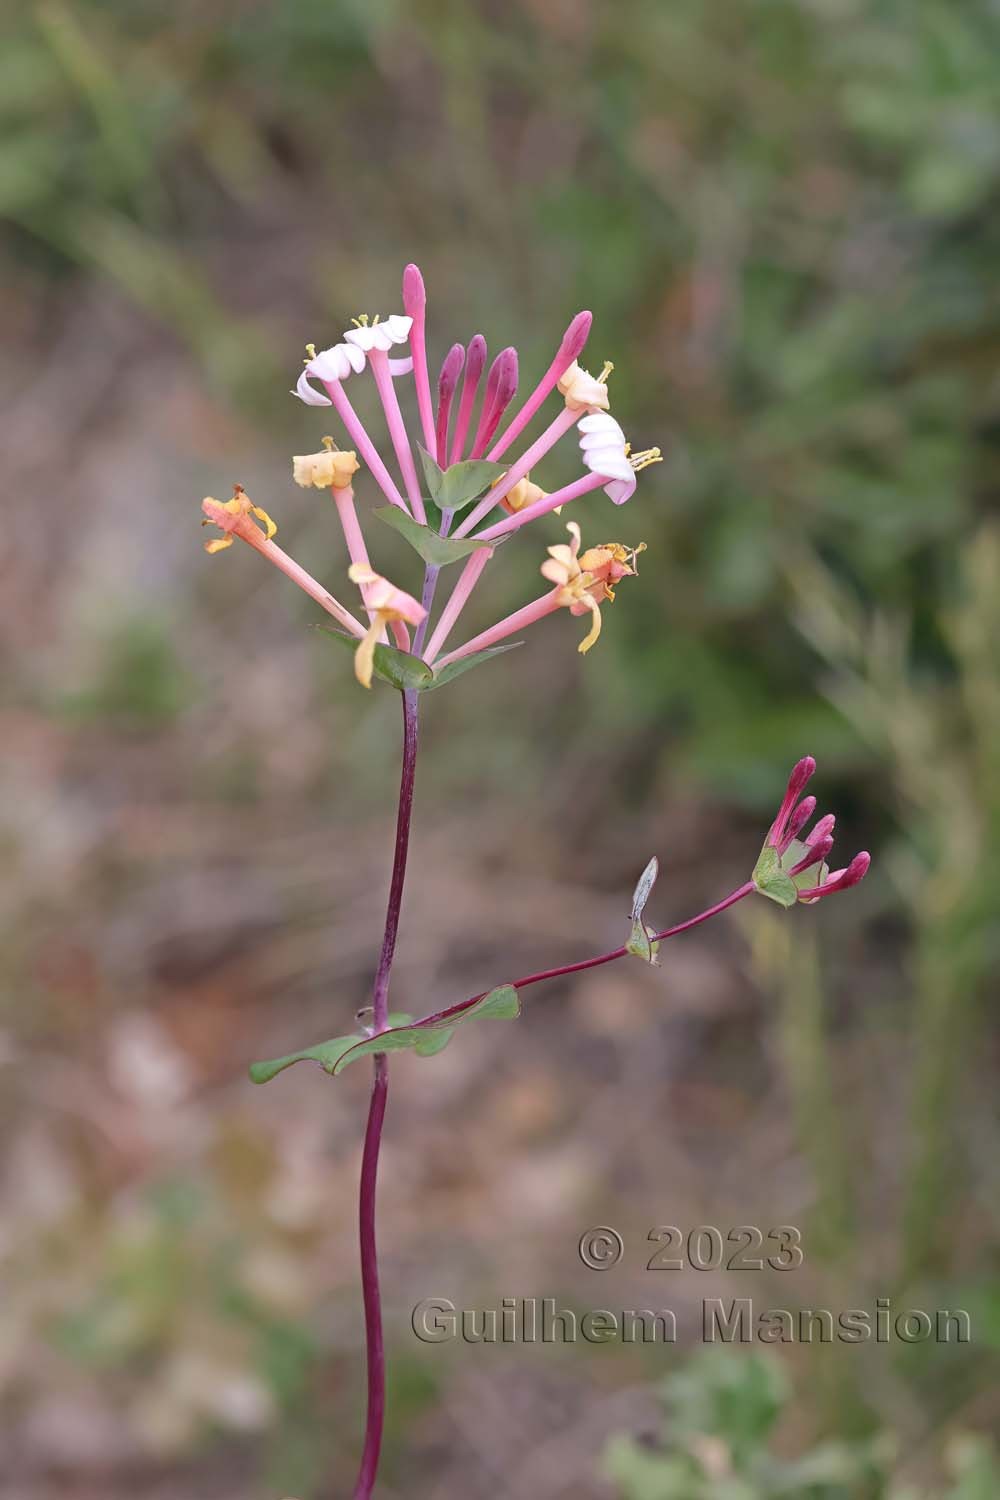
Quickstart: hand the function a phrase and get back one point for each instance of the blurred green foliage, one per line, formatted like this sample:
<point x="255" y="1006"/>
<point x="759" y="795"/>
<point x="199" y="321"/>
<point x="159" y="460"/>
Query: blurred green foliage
<point x="721" y="1416"/>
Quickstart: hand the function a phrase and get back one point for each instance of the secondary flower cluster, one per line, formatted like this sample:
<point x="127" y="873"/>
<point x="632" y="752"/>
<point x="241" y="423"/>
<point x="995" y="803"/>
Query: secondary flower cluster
<point x="466" y="472"/>
<point x="792" y="865"/>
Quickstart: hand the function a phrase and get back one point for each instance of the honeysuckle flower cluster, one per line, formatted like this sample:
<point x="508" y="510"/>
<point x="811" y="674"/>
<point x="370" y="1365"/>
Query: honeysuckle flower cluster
<point x="792" y="865"/>
<point x="453" y="495"/>
<point x="475" y="483"/>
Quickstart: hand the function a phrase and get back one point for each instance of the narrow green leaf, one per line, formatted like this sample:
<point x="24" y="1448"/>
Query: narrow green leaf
<point x="399" y="668"/>
<point x="327" y="1054"/>
<point x="501" y="1004"/>
<point x="434" y="549"/>
<point x="643" y="890"/>
<point x="464" y="663"/>
<point x="772" y="881"/>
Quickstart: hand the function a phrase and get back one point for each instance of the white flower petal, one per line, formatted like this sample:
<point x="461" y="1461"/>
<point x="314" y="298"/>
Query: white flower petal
<point x="597" y="421"/>
<point x="330" y="364"/>
<point x="620" y="490"/>
<point x="399" y="367"/>
<point x="381" y="337"/>
<point x="361" y="338"/>
<point x="399" y="327"/>
<point x="355" y="357"/>
<point x="308" y="393"/>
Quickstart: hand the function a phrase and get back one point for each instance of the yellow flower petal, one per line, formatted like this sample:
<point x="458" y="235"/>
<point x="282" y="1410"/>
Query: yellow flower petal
<point x="269" y="525"/>
<point x="219" y="545"/>
<point x="364" y="656"/>
<point x="595" y="626"/>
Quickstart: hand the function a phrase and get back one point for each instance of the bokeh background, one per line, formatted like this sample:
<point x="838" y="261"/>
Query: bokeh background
<point x="784" y="214"/>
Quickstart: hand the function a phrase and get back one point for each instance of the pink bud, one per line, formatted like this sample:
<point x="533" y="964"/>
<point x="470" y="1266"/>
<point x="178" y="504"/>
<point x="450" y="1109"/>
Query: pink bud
<point x="475" y="361"/>
<point x="778" y="833"/>
<point x="414" y="291"/>
<point x="447" y="381"/>
<point x="575" y="337"/>
<point x="824" y="829"/>
<point x="801" y="772"/>
<point x="501" y="388"/>
<point x="856" y="871"/>
<point x="800" y="817"/>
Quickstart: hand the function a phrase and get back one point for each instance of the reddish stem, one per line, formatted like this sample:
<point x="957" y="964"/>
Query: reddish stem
<point x="376" y="1115"/>
<point x="593" y="963"/>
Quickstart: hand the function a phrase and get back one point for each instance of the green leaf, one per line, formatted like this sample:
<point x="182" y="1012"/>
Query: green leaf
<point x="434" y="549"/>
<point x="501" y="1004"/>
<point x="456" y="487"/>
<point x="641" y="942"/>
<point x="399" y="668"/>
<point x="327" y="1054"/>
<point x="772" y="881"/>
<point x="464" y="663"/>
<point x="434" y="1039"/>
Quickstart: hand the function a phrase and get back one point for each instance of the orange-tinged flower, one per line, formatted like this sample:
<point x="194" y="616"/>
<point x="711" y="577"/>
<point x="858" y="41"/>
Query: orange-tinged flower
<point x="583" y="391"/>
<point x="233" y="517"/>
<point x="584" y="582"/>
<point x="521" y="495"/>
<point x="388" y="605"/>
<point x="334" y="468"/>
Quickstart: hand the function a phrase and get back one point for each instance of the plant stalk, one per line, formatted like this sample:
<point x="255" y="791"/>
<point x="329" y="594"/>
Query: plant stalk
<point x="368" y="1470"/>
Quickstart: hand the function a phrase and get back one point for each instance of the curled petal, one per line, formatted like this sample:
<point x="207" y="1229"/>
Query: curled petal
<point x="399" y="367"/>
<point x="595" y="624"/>
<point x="269" y="527"/>
<point x="308" y="393"/>
<point x="364" y="656"/>
<point x="220" y="544"/>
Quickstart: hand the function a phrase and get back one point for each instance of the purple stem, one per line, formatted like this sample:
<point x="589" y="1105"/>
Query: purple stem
<point x="376" y="1115"/>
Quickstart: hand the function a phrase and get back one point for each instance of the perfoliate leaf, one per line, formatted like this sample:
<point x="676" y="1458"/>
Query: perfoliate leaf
<point x="464" y="663"/>
<point x="434" y="549"/>
<point x="501" y="1004"/>
<point x="325" y="1053"/>
<point x="641" y="943"/>
<point x="399" y="668"/>
<point x="772" y="881"/>
<point x="457" y="486"/>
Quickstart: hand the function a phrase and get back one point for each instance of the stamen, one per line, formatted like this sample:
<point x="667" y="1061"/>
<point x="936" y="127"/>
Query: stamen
<point x="645" y="458"/>
<point x="602" y="379"/>
<point x="330" y="445"/>
<point x="311" y="351"/>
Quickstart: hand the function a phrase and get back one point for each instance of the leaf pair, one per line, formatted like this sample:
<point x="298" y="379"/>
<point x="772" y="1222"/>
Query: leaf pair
<point x="425" y="1038"/>
<point x="771" y="877"/>
<point x="403" y="670"/>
